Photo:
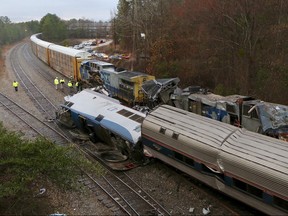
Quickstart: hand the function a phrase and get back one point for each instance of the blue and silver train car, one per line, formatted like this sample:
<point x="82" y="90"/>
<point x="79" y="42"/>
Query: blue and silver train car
<point x="103" y="118"/>
<point x="247" y="166"/>
<point x="125" y="85"/>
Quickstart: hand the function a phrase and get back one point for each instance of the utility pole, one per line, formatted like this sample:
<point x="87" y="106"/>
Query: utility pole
<point x="134" y="32"/>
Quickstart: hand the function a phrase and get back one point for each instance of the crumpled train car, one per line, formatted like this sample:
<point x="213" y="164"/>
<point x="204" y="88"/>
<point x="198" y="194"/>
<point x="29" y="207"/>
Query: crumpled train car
<point x="125" y="85"/>
<point x="248" y="166"/>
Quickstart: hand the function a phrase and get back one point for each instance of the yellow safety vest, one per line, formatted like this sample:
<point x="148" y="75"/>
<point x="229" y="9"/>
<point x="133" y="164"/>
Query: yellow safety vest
<point x="56" y="81"/>
<point x="15" y="84"/>
<point x="70" y="84"/>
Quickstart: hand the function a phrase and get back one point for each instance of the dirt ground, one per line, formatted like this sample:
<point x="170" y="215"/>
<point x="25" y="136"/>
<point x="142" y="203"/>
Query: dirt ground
<point x="53" y="200"/>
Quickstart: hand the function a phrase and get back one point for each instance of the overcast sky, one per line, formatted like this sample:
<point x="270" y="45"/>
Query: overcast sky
<point x="27" y="10"/>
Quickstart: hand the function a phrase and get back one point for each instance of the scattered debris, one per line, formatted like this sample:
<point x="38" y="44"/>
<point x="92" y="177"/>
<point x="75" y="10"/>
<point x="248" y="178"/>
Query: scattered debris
<point x="191" y="210"/>
<point x="57" y="214"/>
<point x="42" y="191"/>
<point x="206" y="211"/>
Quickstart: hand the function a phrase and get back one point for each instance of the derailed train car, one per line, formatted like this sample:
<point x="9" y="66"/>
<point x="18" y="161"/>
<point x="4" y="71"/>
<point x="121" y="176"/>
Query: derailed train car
<point x="65" y="60"/>
<point x="242" y="111"/>
<point x="104" y="119"/>
<point x="248" y="166"/>
<point x="125" y="85"/>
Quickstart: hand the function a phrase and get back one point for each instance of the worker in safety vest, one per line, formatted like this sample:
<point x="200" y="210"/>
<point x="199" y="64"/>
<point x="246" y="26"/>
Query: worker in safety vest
<point x="56" y="82"/>
<point x="62" y="81"/>
<point x="70" y="85"/>
<point x="77" y="86"/>
<point x="15" y="85"/>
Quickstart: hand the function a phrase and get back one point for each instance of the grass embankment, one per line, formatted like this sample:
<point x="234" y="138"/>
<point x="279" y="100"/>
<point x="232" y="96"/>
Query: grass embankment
<point x="27" y="166"/>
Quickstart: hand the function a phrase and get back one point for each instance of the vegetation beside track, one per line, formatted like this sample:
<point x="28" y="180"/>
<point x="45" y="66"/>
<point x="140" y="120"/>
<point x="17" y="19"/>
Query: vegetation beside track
<point x="27" y="166"/>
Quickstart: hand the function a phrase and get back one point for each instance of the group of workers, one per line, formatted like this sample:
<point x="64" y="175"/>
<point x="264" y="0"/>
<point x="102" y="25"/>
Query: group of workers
<point x="69" y="84"/>
<point x="56" y="83"/>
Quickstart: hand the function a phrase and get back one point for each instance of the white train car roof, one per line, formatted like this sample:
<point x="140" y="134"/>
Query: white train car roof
<point x="192" y="135"/>
<point x="263" y="160"/>
<point x="34" y="38"/>
<point x="195" y="127"/>
<point x="70" y="51"/>
<point x="109" y="113"/>
<point x="257" y="159"/>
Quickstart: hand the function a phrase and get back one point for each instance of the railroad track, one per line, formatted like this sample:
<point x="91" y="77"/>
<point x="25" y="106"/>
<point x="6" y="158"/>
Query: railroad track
<point x="126" y="196"/>
<point x="122" y="195"/>
<point x="46" y="73"/>
<point x="42" y="103"/>
<point x="39" y="126"/>
<point x="116" y="190"/>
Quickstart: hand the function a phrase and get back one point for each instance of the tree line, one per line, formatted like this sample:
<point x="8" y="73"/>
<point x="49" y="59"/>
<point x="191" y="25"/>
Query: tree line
<point x="54" y="29"/>
<point x="229" y="46"/>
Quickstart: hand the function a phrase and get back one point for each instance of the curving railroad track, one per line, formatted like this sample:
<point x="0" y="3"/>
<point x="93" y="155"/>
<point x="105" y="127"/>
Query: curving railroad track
<point x="41" y="101"/>
<point x="116" y="190"/>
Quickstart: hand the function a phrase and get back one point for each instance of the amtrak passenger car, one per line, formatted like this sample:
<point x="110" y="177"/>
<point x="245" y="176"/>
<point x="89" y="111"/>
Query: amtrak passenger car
<point x="248" y="166"/>
<point x="104" y="118"/>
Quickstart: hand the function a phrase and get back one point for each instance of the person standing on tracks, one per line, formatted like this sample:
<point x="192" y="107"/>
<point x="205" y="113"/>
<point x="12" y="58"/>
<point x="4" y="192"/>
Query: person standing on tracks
<point x="70" y="86"/>
<point x="56" y="82"/>
<point x="77" y="86"/>
<point x="62" y="81"/>
<point x="80" y="88"/>
<point x="15" y="85"/>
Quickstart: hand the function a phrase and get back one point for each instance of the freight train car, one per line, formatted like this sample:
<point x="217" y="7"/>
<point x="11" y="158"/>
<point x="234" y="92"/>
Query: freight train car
<point x="40" y="48"/>
<point x="247" y="166"/>
<point x="65" y="60"/>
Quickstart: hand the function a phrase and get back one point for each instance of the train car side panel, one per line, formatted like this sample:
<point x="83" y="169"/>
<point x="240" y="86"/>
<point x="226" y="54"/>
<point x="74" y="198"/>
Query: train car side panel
<point x="40" y="48"/>
<point x="247" y="166"/>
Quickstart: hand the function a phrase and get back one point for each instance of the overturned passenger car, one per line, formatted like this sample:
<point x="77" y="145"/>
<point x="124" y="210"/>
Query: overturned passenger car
<point x="103" y="119"/>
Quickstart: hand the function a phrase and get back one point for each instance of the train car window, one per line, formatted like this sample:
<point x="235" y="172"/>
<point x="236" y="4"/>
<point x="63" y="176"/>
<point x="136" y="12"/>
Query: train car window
<point x="99" y="118"/>
<point x="186" y="160"/>
<point x="175" y="135"/>
<point x="280" y="203"/>
<point x="239" y="184"/>
<point x="125" y="113"/>
<point x="178" y="156"/>
<point x="248" y="188"/>
<point x="245" y="110"/>
<point x="252" y="114"/>
<point x="230" y="108"/>
<point x="254" y="191"/>
<point x="162" y="130"/>
<point x="127" y="82"/>
<point x="189" y="161"/>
